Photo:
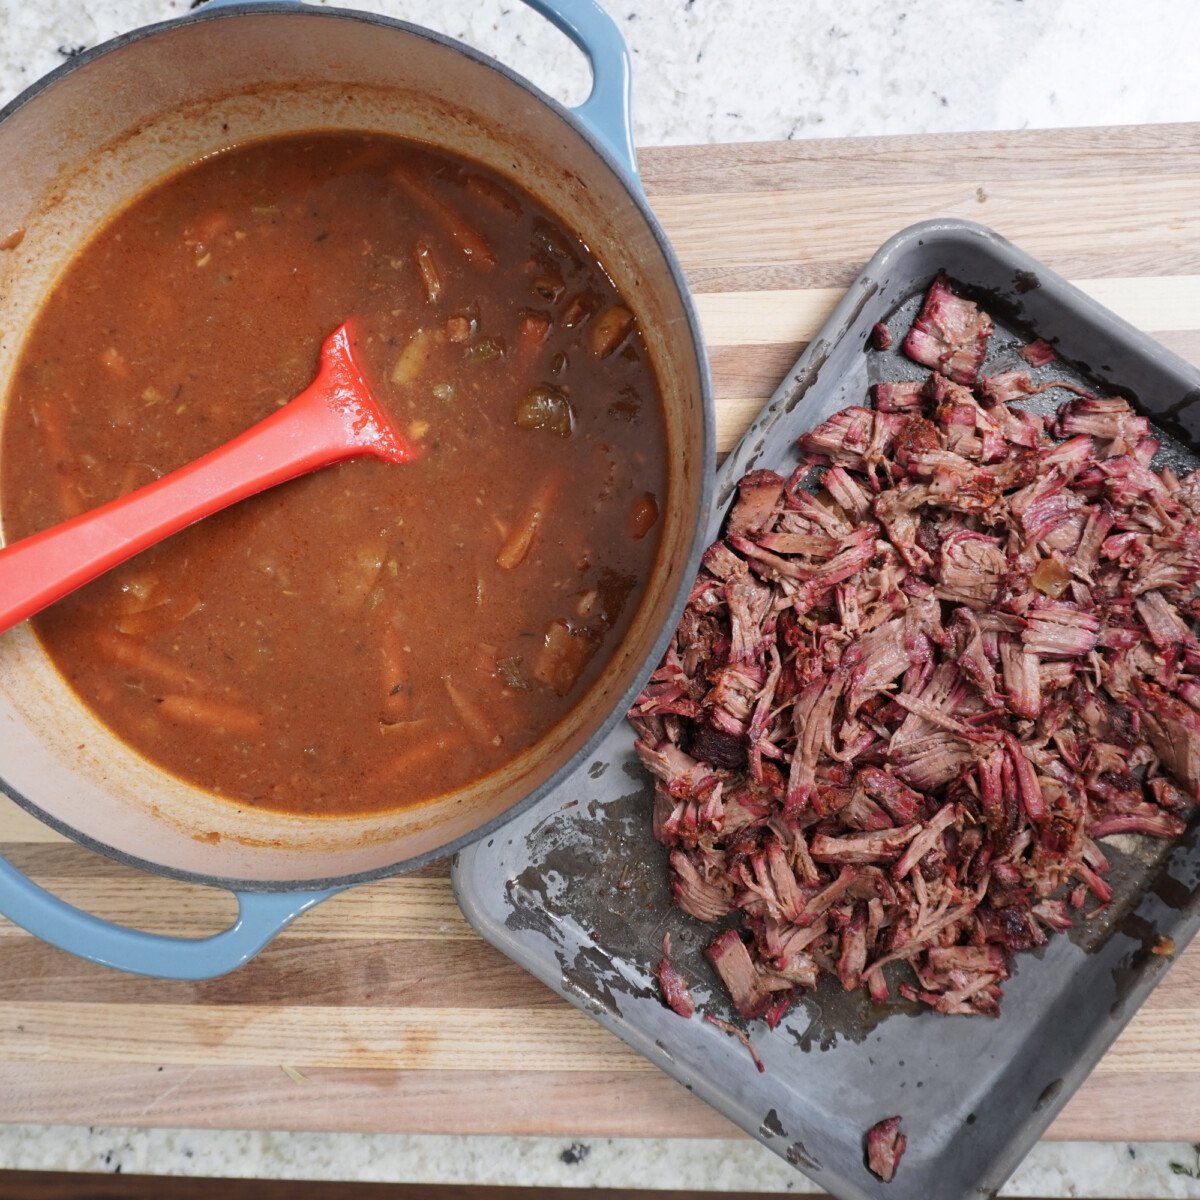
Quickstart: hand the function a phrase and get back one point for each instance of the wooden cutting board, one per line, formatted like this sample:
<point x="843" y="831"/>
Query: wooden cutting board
<point x="385" y="1009"/>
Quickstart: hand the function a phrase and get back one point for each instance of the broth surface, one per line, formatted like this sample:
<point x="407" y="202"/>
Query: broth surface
<point x="371" y="635"/>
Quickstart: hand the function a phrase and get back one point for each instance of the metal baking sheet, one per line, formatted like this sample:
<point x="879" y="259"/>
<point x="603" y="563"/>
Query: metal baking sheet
<point x="575" y="889"/>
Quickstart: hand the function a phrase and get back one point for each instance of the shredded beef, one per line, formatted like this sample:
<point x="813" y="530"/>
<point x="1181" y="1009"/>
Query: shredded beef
<point x="674" y="987"/>
<point x="918" y="680"/>
<point x="885" y="1147"/>
<point x="1038" y="353"/>
<point x="950" y="334"/>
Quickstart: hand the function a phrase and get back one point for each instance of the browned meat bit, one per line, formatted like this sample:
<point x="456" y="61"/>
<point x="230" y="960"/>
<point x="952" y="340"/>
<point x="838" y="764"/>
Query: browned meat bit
<point x="906" y="396"/>
<point x="1005" y="387"/>
<point x="1038" y="353"/>
<point x="950" y="334"/>
<point x="750" y="987"/>
<point x="674" y="988"/>
<point x="700" y="888"/>
<point x="741" y="1035"/>
<point x="1109" y="418"/>
<point x="914" y="686"/>
<point x="881" y="337"/>
<point x="885" y="1147"/>
<point x="1173" y="729"/>
<point x="758" y="497"/>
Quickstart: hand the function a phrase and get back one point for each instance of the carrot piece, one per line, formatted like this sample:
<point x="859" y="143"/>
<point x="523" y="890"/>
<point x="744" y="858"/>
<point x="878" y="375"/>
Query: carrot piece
<point x="395" y="729"/>
<point x="469" y="240"/>
<point x="414" y="758"/>
<point x="146" y="622"/>
<point x="130" y="653"/>
<point x="156" y="617"/>
<point x="115" y="361"/>
<point x="397" y="681"/>
<point x="49" y="421"/>
<point x="531" y="333"/>
<point x="427" y="265"/>
<point x="211" y="225"/>
<point x="643" y="515"/>
<point x="458" y="328"/>
<point x="129" y="478"/>
<point x="494" y="194"/>
<point x="473" y="717"/>
<point x="520" y="541"/>
<point x="212" y="714"/>
<point x="521" y="538"/>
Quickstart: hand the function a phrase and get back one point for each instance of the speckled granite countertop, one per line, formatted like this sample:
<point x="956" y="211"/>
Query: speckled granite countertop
<point x="707" y="70"/>
<point x="748" y="70"/>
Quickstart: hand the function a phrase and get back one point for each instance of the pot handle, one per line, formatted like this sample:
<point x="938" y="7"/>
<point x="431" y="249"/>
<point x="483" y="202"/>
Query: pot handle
<point x="608" y="110"/>
<point x="261" y="915"/>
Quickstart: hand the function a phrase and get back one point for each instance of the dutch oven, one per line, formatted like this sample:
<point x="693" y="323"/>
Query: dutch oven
<point x="87" y="139"/>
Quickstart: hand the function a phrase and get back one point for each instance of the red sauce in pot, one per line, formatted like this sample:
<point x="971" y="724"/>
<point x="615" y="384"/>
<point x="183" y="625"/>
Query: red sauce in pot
<point x="369" y="636"/>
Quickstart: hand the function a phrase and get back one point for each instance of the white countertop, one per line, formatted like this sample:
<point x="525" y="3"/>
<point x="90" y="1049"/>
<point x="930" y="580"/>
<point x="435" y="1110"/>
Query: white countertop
<point x="705" y="70"/>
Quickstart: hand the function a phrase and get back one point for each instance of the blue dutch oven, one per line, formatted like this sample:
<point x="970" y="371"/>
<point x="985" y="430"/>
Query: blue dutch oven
<point x="90" y="137"/>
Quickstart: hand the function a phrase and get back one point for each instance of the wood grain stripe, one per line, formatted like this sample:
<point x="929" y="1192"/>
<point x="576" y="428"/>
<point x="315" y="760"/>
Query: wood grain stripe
<point x="380" y="973"/>
<point x="1161" y="1040"/>
<point x="741" y="371"/>
<point x="557" y="1038"/>
<point x="398" y="1039"/>
<point x="1166" y="303"/>
<point x="1152" y="219"/>
<point x="522" y="1102"/>
<point x="16" y="825"/>
<point x="1022" y="157"/>
<point x="405" y="908"/>
<point x="1135" y="1106"/>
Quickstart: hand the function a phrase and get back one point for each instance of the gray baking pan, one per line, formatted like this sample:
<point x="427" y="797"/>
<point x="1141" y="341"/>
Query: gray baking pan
<point x="575" y="889"/>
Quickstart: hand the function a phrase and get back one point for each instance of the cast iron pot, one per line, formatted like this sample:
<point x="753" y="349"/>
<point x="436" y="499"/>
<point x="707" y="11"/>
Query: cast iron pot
<point x="90" y="137"/>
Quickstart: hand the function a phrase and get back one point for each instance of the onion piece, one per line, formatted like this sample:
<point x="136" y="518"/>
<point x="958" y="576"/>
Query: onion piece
<point x="1050" y="578"/>
<point x="564" y="654"/>
<point x="430" y="275"/>
<point x="609" y="330"/>
<point x="521" y="538"/>
<point x="546" y="408"/>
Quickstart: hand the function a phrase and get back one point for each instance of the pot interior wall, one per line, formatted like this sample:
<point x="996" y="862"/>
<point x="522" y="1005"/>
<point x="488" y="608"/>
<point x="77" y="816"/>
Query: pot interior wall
<point x="94" y="139"/>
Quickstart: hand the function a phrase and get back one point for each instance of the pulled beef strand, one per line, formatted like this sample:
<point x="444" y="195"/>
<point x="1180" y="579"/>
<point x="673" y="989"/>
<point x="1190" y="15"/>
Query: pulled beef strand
<point x="674" y="986"/>
<point x="742" y="1036"/>
<point x="920" y="679"/>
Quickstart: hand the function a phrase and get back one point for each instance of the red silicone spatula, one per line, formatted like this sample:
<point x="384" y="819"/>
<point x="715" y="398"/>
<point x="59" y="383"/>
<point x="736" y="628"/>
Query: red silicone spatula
<point x="335" y="417"/>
